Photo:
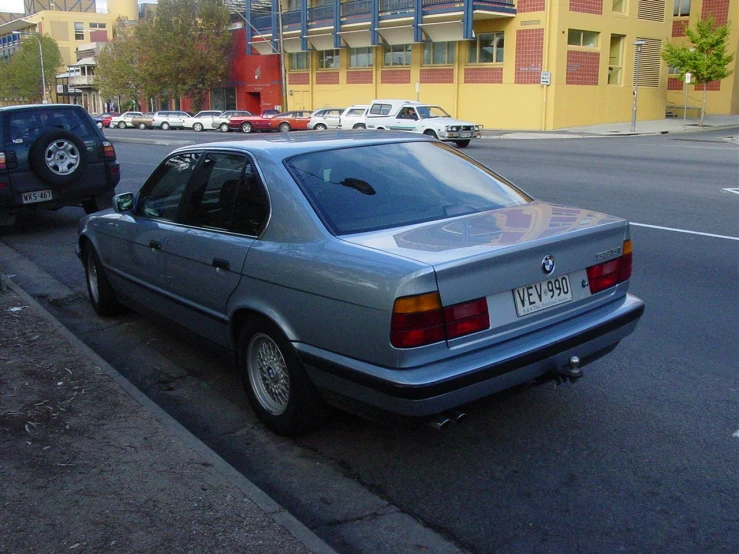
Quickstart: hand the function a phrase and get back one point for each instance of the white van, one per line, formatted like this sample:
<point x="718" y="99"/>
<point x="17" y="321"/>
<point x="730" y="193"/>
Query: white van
<point x="354" y="117"/>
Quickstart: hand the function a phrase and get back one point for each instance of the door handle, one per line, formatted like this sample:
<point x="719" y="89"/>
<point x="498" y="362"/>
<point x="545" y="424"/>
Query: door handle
<point x="219" y="263"/>
<point x="155" y="245"/>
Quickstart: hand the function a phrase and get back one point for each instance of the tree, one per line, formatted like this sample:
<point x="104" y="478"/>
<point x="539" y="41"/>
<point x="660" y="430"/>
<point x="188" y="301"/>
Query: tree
<point x="21" y="75"/>
<point x="185" y="47"/>
<point x="118" y="64"/>
<point x="705" y="56"/>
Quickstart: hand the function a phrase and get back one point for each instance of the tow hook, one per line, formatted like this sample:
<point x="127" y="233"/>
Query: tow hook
<point x="570" y="373"/>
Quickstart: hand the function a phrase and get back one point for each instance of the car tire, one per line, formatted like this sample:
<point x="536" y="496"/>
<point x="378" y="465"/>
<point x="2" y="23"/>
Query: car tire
<point x="142" y="126"/>
<point x="164" y="126"/>
<point x="359" y="126"/>
<point x="275" y="381"/>
<point x="320" y="127"/>
<point x="197" y="127"/>
<point x="121" y="124"/>
<point x="284" y="127"/>
<point x="101" y="294"/>
<point x="98" y="203"/>
<point x="431" y="133"/>
<point x="247" y="127"/>
<point x="223" y="127"/>
<point x="58" y="157"/>
<point x="462" y="143"/>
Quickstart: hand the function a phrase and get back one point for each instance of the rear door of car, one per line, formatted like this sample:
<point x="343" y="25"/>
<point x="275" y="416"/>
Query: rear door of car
<point x="207" y="253"/>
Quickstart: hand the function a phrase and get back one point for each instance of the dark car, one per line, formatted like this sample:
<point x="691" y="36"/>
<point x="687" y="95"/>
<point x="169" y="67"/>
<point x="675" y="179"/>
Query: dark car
<point x="371" y="268"/>
<point x="53" y="155"/>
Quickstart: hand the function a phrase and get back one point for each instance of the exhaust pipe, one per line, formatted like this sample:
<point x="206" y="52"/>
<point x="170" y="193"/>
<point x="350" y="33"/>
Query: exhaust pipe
<point x="438" y="422"/>
<point x="456" y="416"/>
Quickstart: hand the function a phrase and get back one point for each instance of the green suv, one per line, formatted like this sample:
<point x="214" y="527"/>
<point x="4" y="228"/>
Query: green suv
<point x="53" y="155"/>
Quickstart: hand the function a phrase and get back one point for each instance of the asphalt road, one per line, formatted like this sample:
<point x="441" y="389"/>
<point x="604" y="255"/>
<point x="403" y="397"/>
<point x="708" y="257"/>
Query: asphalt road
<point x="638" y="456"/>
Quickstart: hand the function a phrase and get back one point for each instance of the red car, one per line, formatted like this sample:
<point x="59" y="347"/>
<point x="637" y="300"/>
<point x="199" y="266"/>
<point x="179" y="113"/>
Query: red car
<point x="290" y="121"/>
<point x="251" y="123"/>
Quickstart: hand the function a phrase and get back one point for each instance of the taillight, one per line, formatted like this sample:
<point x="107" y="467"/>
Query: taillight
<point x="3" y="163"/>
<point x="421" y="319"/>
<point x="611" y="273"/>
<point x="108" y="151"/>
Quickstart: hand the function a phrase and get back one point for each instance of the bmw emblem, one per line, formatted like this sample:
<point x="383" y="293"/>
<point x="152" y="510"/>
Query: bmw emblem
<point x="547" y="265"/>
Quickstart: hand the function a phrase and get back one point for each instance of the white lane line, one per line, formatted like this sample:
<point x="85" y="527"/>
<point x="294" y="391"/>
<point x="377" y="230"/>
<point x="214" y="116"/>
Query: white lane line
<point x="684" y="231"/>
<point x="735" y="191"/>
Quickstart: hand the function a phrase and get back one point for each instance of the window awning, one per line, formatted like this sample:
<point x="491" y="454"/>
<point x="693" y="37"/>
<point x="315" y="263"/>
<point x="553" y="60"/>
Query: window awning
<point x="321" y="42"/>
<point x="264" y="47"/>
<point x="447" y="31"/>
<point x="83" y="61"/>
<point x="396" y="35"/>
<point x="357" y="39"/>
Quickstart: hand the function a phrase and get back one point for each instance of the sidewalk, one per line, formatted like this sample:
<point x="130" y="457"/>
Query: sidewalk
<point x="90" y="464"/>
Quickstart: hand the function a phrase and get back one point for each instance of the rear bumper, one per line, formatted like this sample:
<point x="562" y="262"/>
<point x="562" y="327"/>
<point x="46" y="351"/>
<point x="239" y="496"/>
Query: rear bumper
<point x="443" y="385"/>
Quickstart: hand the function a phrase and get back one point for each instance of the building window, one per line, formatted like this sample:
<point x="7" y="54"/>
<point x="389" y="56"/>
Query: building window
<point x="328" y="59"/>
<point x="488" y="48"/>
<point x="578" y="37"/>
<point x="299" y="61"/>
<point x="615" y="59"/>
<point x="292" y="5"/>
<point x="438" y="53"/>
<point x="362" y="57"/>
<point x="98" y="25"/>
<point x="618" y="6"/>
<point x="397" y="54"/>
<point x="79" y="31"/>
<point x="682" y="8"/>
<point x="223" y="98"/>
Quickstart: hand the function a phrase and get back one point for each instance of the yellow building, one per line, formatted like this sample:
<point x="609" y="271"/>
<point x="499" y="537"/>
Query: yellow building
<point x="523" y="64"/>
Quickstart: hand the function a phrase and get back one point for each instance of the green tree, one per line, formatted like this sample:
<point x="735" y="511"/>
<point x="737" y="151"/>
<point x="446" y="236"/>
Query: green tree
<point x="185" y="47"/>
<point x="705" y="56"/>
<point x="21" y="75"/>
<point x="118" y="69"/>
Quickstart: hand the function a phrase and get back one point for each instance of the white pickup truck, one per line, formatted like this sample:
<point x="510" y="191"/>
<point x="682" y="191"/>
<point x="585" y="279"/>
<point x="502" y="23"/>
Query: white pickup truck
<point x="406" y="115"/>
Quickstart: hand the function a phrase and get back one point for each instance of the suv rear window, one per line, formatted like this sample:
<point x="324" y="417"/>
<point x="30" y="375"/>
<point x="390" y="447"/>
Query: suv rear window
<point x="28" y="125"/>
<point x="415" y="182"/>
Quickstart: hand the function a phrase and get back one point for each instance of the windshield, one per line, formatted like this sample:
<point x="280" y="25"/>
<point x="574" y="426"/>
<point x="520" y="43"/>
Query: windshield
<point x="428" y="112"/>
<point x="359" y="189"/>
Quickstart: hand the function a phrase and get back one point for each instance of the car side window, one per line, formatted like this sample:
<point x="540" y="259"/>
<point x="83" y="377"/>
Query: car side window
<point x="160" y="196"/>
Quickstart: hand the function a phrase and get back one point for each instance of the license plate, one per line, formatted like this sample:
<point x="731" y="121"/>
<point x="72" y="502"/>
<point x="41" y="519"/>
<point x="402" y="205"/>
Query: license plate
<point x="543" y="295"/>
<point x="36" y="196"/>
<point x="465" y="135"/>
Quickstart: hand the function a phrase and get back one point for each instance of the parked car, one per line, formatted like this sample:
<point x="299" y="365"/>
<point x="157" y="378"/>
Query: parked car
<point x="325" y="118"/>
<point x="53" y="155"/>
<point x="407" y="115"/>
<point x="386" y="268"/>
<point x="290" y="121"/>
<point x="250" y="123"/>
<point x="221" y="122"/>
<point x="103" y="120"/>
<point x="123" y="121"/>
<point x="167" y="119"/>
<point x="143" y="121"/>
<point x="354" y="117"/>
<point x="201" y="120"/>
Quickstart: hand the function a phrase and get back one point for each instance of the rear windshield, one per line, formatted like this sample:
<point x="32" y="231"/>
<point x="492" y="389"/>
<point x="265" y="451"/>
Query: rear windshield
<point x="367" y="188"/>
<point x="30" y="124"/>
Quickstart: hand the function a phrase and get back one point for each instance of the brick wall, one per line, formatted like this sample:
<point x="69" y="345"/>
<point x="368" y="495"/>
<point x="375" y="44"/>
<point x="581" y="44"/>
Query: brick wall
<point x="587" y="6"/>
<point x="674" y="84"/>
<point x="436" y="76"/>
<point x="529" y="55"/>
<point x="678" y="28"/>
<point x="524" y="6"/>
<point x="299" y="78"/>
<point x="483" y="75"/>
<point x="582" y="67"/>
<point x="359" y="77"/>
<point x="395" y="76"/>
<point x="327" y="78"/>
<point x="719" y="9"/>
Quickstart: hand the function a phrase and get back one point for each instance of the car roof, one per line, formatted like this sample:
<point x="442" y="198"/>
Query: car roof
<point x="286" y="145"/>
<point x="39" y="106"/>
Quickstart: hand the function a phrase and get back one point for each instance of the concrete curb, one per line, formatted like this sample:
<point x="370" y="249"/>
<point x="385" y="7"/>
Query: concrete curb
<point x="263" y="501"/>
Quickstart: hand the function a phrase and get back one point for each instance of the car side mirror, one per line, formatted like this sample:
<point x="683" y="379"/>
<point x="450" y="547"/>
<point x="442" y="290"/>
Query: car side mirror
<point x="123" y="202"/>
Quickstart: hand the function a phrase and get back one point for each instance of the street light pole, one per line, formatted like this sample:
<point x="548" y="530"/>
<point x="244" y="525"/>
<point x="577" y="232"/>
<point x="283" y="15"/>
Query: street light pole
<point x="638" y="44"/>
<point x="41" y="57"/>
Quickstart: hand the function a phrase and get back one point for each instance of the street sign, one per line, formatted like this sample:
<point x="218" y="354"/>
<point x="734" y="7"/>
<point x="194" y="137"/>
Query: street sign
<point x="546" y="78"/>
<point x="688" y="77"/>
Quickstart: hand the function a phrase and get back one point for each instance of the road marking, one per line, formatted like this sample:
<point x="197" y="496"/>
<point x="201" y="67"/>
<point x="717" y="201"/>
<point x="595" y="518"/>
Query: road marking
<point x="684" y="231"/>
<point x="735" y="191"/>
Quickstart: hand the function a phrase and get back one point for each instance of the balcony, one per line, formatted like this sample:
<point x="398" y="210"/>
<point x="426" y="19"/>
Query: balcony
<point x="81" y="81"/>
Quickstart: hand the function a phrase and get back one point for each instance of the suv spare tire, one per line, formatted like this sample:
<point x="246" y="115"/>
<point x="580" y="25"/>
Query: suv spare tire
<point x="58" y="157"/>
